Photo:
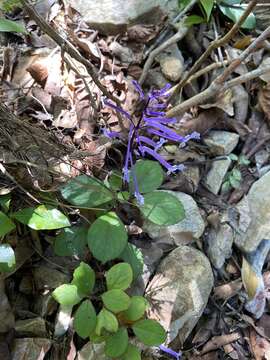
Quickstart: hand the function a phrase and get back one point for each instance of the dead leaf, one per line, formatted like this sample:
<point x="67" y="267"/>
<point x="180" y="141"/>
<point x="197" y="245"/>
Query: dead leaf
<point x="6" y="313"/>
<point x="39" y="72"/>
<point x="228" y="290"/>
<point x="224" y="101"/>
<point x="30" y="348"/>
<point x="251" y="280"/>
<point x="259" y="346"/>
<point x="142" y="33"/>
<point x="243" y="42"/>
<point x="264" y="100"/>
<point x="217" y="341"/>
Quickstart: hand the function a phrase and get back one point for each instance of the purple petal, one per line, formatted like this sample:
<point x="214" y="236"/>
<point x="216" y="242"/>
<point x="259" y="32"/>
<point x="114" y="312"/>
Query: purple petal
<point x="128" y="154"/>
<point x="146" y="140"/>
<point x="117" y="108"/>
<point x="158" y="157"/>
<point x="154" y="113"/>
<point x="160" y="119"/>
<point x="139" y="89"/>
<point x="171" y="352"/>
<point x="111" y="134"/>
<point x="138" y="195"/>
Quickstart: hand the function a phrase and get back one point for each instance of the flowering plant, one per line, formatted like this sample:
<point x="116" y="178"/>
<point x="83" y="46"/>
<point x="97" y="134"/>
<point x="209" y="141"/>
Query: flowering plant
<point x="148" y="134"/>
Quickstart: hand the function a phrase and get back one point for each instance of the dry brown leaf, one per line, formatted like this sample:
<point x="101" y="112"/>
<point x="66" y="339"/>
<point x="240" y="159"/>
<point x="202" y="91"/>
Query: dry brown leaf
<point x="259" y="346"/>
<point x="142" y="33"/>
<point x="217" y="341"/>
<point x="39" y="72"/>
<point x="264" y="100"/>
<point x="228" y="290"/>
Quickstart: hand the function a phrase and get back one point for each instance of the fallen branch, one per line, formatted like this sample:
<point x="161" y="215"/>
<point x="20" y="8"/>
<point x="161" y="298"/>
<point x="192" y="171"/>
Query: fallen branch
<point x="215" y="44"/>
<point x="220" y="84"/>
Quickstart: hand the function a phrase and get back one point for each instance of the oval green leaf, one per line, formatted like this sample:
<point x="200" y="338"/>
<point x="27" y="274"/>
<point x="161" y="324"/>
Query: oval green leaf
<point x="137" y="308"/>
<point x="119" y="277"/>
<point x="132" y="353"/>
<point x="84" y="279"/>
<point x="7" y="258"/>
<point x="162" y="208"/>
<point x="85" y="319"/>
<point x="116" y="300"/>
<point x="6" y="225"/>
<point x="71" y="241"/>
<point x="86" y="192"/>
<point x="208" y="7"/>
<point x="106" y="320"/>
<point x="107" y="237"/>
<point x="149" y="175"/>
<point x="43" y="217"/>
<point x="149" y="332"/>
<point x="234" y="13"/>
<point x="11" y="26"/>
<point x="117" y="343"/>
<point x="66" y="294"/>
<point x="134" y="257"/>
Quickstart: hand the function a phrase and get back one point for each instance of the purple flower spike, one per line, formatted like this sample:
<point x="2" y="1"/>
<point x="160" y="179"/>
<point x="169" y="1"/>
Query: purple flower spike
<point x="138" y="88"/>
<point x="176" y="355"/>
<point x="148" y="134"/>
<point x="111" y="134"/>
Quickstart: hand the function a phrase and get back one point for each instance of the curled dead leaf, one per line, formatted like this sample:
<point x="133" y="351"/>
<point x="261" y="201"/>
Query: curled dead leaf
<point x="39" y="72"/>
<point x="264" y="100"/>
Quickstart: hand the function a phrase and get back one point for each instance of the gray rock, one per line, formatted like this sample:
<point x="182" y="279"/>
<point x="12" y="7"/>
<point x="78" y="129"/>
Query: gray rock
<point x="114" y="16"/>
<point x="49" y="278"/>
<point x="172" y="68"/>
<point x="155" y="79"/>
<point x="6" y="313"/>
<point x="180" y="292"/>
<point x="254" y="219"/>
<point x="171" y="62"/>
<point x="215" y="176"/>
<point x="31" y="327"/>
<point x="193" y="223"/>
<point x="122" y="52"/>
<point x="219" y="245"/>
<point x="221" y="142"/>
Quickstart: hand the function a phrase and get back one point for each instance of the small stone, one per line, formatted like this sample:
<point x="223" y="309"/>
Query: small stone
<point x="254" y="215"/>
<point x="215" y="176"/>
<point x="30" y="348"/>
<point x="31" y="327"/>
<point x="221" y="142"/>
<point x="192" y="223"/>
<point x="155" y="79"/>
<point x="122" y="52"/>
<point x="172" y="68"/>
<point x="49" y="278"/>
<point x="219" y="245"/>
<point x="180" y="290"/>
<point x="6" y="313"/>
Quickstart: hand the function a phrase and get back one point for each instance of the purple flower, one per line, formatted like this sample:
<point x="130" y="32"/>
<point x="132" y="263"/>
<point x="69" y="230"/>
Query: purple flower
<point x="176" y="355"/>
<point x="153" y="121"/>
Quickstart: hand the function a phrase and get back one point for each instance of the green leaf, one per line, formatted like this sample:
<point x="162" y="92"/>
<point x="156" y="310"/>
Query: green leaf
<point x="84" y="279"/>
<point x="86" y="192"/>
<point x="149" y="332"/>
<point x="7" y="258"/>
<point x="116" y="300"/>
<point x="106" y="320"/>
<point x="226" y="186"/>
<point x="66" y="294"/>
<point x="11" y="26"/>
<point x="234" y="182"/>
<point x="85" y="319"/>
<point x="149" y="175"/>
<point x="114" y="181"/>
<point x="236" y="173"/>
<point x="233" y="157"/>
<point x="5" y="202"/>
<point x="208" y="7"/>
<point x="243" y="160"/>
<point x="117" y="343"/>
<point x="134" y="257"/>
<point x="194" y="20"/>
<point x="183" y="3"/>
<point x="162" y="208"/>
<point x="107" y="237"/>
<point x="132" y="353"/>
<point x="6" y="225"/>
<point x="235" y="13"/>
<point x="43" y="217"/>
<point x="71" y="241"/>
<point x="119" y="277"/>
<point x="137" y="308"/>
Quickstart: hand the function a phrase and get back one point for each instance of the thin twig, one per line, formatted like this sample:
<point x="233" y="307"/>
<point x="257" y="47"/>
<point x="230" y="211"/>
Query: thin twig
<point x="174" y="39"/>
<point x="215" y="44"/>
<point x="67" y="47"/>
<point x="219" y="83"/>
